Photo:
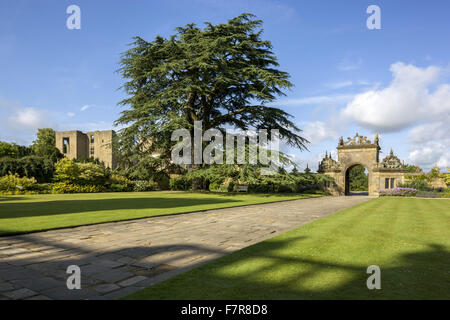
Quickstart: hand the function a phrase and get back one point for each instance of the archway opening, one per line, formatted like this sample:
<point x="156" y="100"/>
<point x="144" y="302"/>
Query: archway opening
<point x="356" y="180"/>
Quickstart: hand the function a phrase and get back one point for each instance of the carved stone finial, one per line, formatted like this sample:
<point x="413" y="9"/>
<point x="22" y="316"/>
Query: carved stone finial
<point x="392" y="162"/>
<point x="341" y="141"/>
<point x="377" y="139"/>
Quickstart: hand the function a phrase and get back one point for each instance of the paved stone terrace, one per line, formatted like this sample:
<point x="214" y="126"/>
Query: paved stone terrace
<point x="122" y="257"/>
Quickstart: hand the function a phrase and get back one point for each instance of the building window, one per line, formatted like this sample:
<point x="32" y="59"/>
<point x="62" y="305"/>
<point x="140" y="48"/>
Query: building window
<point x="92" y="138"/>
<point x="65" y="145"/>
<point x="392" y="183"/>
<point x="92" y="151"/>
<point x="386" y="183"/>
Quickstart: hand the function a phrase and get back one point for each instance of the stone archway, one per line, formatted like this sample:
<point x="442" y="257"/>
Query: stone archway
<point x="347" y="188"/>
<point x="360" y="150"/>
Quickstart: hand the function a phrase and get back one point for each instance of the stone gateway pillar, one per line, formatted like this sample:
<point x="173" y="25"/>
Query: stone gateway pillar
<point x="361" y="151"/>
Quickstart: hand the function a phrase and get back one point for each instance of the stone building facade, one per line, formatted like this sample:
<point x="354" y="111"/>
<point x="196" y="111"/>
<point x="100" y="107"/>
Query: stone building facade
<point x="358" y="150"/>
<point x="97" y="144"/>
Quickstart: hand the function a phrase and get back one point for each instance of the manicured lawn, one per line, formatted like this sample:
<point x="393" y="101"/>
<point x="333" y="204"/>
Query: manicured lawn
<point x="409" y="239"/>
<point x="22" y="214"/>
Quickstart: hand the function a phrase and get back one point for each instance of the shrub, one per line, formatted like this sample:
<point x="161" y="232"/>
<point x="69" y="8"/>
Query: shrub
<point x="144" y="185"/>
<point x="42" y="188"/>
<point x="85" y="173"/>
<point x="62" y="187"/>
<point x="232" y="186"/>
<point x="419" y="185"/>
<point x="116" y="187"/>
<point x="427" y="194"/>
<point x="36" y="167"/>
<point x="13" y="183"/>
<point x="399" y="192"/>
<point x="92" y="174"/>
<point x="66" y="171"/>
<point x="180" y="183"/>
<point x="120" y="183"/>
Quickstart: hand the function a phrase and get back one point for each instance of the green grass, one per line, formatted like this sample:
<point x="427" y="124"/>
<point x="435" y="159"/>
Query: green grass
<point x="409" y="239"/>
<point x="30" y="213"/>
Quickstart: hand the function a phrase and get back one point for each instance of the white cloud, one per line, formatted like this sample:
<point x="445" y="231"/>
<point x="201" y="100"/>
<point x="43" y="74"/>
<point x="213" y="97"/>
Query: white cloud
<point x="331" y="99"/>
<point x="30" y="118"/>
<point x="340" y="84"/>
<point x="407" y="101"/>
<point x="70" y="114"/>
<point x="85" y="107"/>
<point x="429" y="154"/>
<point x="430" y="144"/>
<point x="349" y="64"/>
<point x="318" y="131"/>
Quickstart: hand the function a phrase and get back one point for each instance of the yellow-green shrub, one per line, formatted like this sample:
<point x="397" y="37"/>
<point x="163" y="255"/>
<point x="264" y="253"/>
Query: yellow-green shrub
<point x="62" y="187"/>
<point x="14" y="183"/>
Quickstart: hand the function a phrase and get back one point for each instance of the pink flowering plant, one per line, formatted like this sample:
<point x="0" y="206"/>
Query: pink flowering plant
<point x="399" y="192"/>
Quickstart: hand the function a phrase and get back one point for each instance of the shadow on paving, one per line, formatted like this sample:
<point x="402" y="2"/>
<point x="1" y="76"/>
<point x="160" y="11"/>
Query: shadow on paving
<point x="116" y="273"/>
<point x="46" y="208"/>
<point x="419" y="275"/>
<point x="105" y="274"/>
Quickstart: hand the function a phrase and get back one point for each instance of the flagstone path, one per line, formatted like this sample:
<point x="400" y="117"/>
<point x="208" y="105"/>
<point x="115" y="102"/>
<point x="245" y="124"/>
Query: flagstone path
<point x="119" y="258"/>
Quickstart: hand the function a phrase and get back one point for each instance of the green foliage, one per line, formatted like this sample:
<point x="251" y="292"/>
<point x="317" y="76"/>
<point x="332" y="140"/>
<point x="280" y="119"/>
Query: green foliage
<point x="180" y="183"/>
<point x="62" y="187"/>
<point x="228" y="177"/>
<point x="412" y="168"/>
<point x="359" y="181"/>
<point x="91" y="173"/>
<point x="120" y="183"/>
<point x="30" y="166"/>
<point x="446" y="176"/>
<point x="13" y="150"/>
<point x="420" y="185"/>
<point x="68" y="171"/>
<point x="45" y="145"/>
<point x="13" y="182"/>
<point x="88" y="160"/>
<point x="224" y="75"/>
<point x="7" y="150"/>
<point x="428" y="194"/>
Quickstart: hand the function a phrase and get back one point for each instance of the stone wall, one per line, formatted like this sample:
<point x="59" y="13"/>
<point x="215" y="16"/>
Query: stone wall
<point x="95" y="144"/>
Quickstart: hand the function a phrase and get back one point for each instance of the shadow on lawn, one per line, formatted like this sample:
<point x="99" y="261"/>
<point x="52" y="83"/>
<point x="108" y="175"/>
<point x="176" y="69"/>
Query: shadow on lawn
<point x="46" y="208"/>
<point x="418" y="275"/>
<point x="9" y="198"/>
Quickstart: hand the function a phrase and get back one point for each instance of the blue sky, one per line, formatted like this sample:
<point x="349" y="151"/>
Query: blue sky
<point x="348" y="79"/>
